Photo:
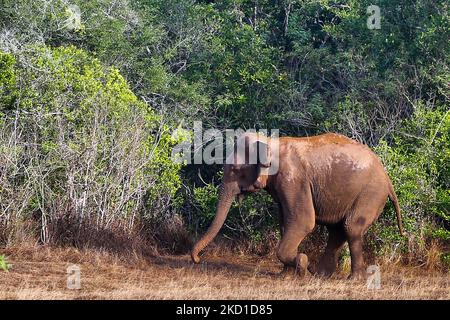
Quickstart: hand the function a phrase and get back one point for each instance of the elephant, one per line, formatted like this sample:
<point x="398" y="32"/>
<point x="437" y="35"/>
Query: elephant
<point x="328" y="179"/>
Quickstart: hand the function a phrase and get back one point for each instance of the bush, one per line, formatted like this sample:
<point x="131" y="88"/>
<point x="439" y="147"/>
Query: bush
<point x="418" y="163"/>
<point x="7" y="80"/>
<point x="79" y="148"/>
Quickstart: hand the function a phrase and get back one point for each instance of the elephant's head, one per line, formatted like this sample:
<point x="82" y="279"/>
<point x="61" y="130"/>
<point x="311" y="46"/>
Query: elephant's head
<point x="246" y="170"/>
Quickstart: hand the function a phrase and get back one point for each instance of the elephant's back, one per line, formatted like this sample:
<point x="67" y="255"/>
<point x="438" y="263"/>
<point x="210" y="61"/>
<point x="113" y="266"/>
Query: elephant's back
<point x="339" y="169"/>
<point x="329" y="151"/>
<point x="321" y="139"/>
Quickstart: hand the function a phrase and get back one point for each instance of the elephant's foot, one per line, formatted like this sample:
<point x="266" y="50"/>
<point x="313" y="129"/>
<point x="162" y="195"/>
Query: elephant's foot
<point x="286" y="272"/>
<point x="357" y="275"/>
<point x="300" y="269"/>
<point x="326" y="268"/>
<point x="301" y="265"/>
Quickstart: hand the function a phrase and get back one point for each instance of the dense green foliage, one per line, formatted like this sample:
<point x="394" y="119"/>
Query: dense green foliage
<point x="125" y="74"/>
<point x="78" y="144"/>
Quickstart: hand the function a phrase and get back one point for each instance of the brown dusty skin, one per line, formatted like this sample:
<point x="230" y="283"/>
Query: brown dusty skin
<point x="41" y="273"/>
<point x="327" y="179"/>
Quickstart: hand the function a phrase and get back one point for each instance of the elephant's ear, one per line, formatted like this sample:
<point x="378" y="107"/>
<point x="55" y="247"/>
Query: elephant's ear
<point x="264" y="154"/>
<point x="251" y="151"/>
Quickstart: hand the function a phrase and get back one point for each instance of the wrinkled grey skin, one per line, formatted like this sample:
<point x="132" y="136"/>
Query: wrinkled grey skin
<point x="327" y="179"/>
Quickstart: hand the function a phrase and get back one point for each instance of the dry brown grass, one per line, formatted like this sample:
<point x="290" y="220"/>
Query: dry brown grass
<point x="40" y="273"/>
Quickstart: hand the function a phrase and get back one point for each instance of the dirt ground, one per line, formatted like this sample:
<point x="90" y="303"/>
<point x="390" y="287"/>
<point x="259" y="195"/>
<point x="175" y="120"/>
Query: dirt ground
<point x="42" y="273"/>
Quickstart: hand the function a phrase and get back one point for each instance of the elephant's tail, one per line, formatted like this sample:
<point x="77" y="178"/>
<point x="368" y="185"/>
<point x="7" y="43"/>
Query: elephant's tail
<point x="394" y="200"/>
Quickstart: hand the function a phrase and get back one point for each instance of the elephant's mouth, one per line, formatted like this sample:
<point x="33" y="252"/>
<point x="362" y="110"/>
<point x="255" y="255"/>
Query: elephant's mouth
<point x="247" y="190"/>
<point x="250" y="189"/>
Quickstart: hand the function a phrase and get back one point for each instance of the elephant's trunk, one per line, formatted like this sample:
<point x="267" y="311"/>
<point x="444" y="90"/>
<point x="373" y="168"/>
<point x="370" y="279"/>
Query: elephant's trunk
<point x="225" y="200"/>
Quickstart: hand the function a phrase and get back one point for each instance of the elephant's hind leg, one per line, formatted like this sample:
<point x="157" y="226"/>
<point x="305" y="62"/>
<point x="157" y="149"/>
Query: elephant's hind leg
<point x="365" y="212"/>
<point x="355" y="243"/>
<point x="329" y="261"/>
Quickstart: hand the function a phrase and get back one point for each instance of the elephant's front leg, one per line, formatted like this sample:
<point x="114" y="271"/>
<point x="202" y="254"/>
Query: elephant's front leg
<point x="298" y="222"/>
<point x="288" y="255"/>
